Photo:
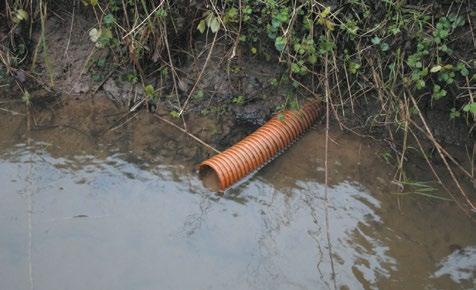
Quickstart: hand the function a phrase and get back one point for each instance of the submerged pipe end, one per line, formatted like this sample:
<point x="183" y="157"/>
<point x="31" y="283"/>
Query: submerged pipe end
<point x="210" y="177"/>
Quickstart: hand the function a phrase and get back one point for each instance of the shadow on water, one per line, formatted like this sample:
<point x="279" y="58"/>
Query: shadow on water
<point x="95" y="208"/>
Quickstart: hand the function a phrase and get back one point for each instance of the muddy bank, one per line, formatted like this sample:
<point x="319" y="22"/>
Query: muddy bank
<point x="244" y="87"/>
<point x="243" y="90"/>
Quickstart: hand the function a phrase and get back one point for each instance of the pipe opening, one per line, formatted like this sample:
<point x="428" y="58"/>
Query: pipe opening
<point x="209" y="178"/>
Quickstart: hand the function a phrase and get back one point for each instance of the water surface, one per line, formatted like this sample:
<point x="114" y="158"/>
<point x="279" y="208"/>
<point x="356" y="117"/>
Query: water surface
<point x="84" y="205"/>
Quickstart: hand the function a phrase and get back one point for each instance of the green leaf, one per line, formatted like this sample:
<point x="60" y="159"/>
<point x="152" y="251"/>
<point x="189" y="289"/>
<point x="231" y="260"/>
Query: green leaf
<point x="175" y="114"/>
<point x="376" y="40"/>
<point x="26" y="97"/>
<point x="438" y="92"/>
<point x="109" y="19"/>
<point x="202" y="26"/>
<point x="325" y="45"/>
<point x="149" y="90"/>
<point x="279" y="43"/>
<point x="326" y="23"/>
<point x="435" y="69"/>
<point x="161" y="13"/>
<point x="454" y="113"/>
<point x="214" y="25"/>
<point x="283" y="15"/>
<point x="199" y="95"/>
<point x="420" y="84"/>
<point x="470" y="108"/>
<point x="275" y="22"/>
<point x="312" y="59"/>
<point x="462" y="69"/>
<point x="384" y="46"/>
<point x="105" y="38"/>
<point x="232" y="12"/>
<point x="20" y="15"/>
<point x="94" y="34"/>
<point x="326" y="12"/>
<point x="238" y="100"/>
<point x="354" y="67"/>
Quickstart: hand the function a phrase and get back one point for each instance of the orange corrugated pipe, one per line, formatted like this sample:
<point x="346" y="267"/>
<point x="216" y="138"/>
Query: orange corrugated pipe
<point x="226" y="168"/>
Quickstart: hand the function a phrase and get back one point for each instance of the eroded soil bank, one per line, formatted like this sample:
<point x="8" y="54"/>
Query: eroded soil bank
<point x="242" y="91"/>
<point x="94" y="197"/>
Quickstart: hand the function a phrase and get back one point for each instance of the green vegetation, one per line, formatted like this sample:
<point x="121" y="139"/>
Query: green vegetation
<point x="398" y="58"/>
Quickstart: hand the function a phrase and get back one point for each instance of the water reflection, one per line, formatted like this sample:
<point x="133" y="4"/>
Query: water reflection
<point x="460" y="266"/>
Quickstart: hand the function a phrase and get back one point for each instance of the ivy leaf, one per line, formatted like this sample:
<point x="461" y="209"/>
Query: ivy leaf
<point x="375" y="40"/>
<point x="384" y="46"/>
<point x="470" y="108"/>
<point x="230" y="15"/>
<point x="20" y="15"/>
<point x="312" y="59"/>
<point x="438" y="92"/>
<point x="232" y="12"/>
<point x="94" y="34"/>
<point x="201" y="26"/>
<point x="454" y="113"/>
<point x="105" y="38"/>
<point x="280" y="43"/>
<point x="420" y="84"/>
<point x="90" y="2"/>
<point x="109" y="19"/>
<point x="175" y="114"/>
<point x="354" y="67"/>
<point x="149" y="90"/>
<point x="326" y="12"/>
<point x="435" y="69"/>
<point x="214" y="25"/>
<point x="327" y="23"/>
<point x="462" y="69"/>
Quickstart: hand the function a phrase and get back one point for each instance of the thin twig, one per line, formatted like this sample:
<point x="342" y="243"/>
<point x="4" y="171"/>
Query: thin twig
<point x="11" y="112"/>
<point x="188" y="133"/>
<point x="70" y="31"/>
<point x="123" y="123"/>
<point x="199" y="76"/>
<point x="143" y="21"/>
<point x="326" y="176"/>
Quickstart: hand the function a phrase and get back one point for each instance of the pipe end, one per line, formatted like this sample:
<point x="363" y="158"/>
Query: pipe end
<point x="209" y="177"/>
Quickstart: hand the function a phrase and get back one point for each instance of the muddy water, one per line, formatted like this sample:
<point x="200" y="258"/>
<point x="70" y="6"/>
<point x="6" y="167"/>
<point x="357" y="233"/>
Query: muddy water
<point x="90" y="200"/>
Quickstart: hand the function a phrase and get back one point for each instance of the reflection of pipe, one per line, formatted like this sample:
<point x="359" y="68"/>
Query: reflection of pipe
<point x="258" y="148"/>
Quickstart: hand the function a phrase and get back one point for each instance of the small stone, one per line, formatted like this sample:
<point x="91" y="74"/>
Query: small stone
<point x="81" y="87"/>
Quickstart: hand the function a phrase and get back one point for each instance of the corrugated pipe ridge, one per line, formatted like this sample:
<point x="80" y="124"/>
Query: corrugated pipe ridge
<point x="261" y="146"/>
